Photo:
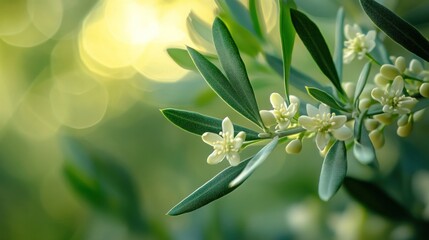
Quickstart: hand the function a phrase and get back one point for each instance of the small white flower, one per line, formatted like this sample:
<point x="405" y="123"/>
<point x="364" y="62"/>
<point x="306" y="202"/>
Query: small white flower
<point x="357" y="43"/>
<point x="325" y="124"/>
<point x="282" y="114"/>
<point x="393" y="99"/>
<point x="224" y="144"/>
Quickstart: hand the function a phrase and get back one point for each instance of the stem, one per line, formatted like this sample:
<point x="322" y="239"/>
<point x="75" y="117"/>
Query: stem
<point x="372" y="59"/>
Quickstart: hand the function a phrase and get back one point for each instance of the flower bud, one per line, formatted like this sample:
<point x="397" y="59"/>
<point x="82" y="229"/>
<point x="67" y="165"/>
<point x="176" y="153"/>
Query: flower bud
<point x="402" y="121"/>
<point x="389" y="71"/>
<point x="385" y="118"/>
<point x="364" y="103"/>
<point x="349" y="88"/>
<point x="417" y="116"/>
<point x="370" y="124"/>
<point x="424" y="90"/>
<point x="405" y="130"/>
<point x="377" y="138"/>
<point x="400" y="63"/>
<point x="294" y="146"/>
<point x="416" y="66"/>
<point x="380" y="80"/>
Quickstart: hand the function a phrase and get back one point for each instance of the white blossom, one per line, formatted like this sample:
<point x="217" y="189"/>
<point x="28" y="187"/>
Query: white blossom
<point x="282" y="114"/>
<point x="324" y="124"/>
<point x="224" y="144"/>
<point x="357" y="44"/>
<point x="393" y="99"/>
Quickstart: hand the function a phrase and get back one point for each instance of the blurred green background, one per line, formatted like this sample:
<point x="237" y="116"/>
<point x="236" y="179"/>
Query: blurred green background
<point x="86" y="154"/>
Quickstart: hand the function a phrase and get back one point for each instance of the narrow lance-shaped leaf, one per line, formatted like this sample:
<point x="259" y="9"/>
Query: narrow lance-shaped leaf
<point x="375" y="199"/>
<point x="363" y="150"/>
<point x="215" y="188"/>
<point x="397" y="28"/>
<point x="255" y="162"/>
<point x="333" y="171"/>
<point x="339" y="42"/>
<point x="234" y="67"/>
<point x="287" y="35"/>
<point x="199" y="31"/>
<point x="240" y="14"/>
<point x="257" y="20"/>
<point x="316" y="45"/>
<point x="199" y="124"/>
<point x="182" y="58"/>
<point x="361" y="83"/>
<point x="326" y="98"/>
<point x="220" y="84"/>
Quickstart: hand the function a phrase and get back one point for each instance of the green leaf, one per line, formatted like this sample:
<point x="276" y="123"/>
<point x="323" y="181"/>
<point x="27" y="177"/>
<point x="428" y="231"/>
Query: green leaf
<point x="215" y="188"/>
<point x="199" y="124"/>
<point x="234" y="67"/>
<point x="220" y="84"/>
<point x="199" y="31"/>
<point x="326" y="98"/>
<point x="361" y="83"/>
<point x="421" y="104"/>
<point x="257" y="20"/>
<point x="339" y="42"/>
<point x="375" y="199"/>
<point x="397" y="28"/>
<point x="363" y="150"/>
<point x="240" y="14"/>
<point x="182" y="58"/>
<point x="255" y="162"/>
<point x="333" y="171"/>
<point x="297" y="79"/>
<point x="102" y="182"/>
<point x="316" y="45"/>
<point x="287" y="35"/>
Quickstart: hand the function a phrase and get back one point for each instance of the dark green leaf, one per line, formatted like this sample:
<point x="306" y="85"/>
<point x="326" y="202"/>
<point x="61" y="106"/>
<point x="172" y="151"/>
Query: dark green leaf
<point x="182" y="58"/>
<point x="215" y="188"/>
<point x="255" y="162"/>
<point x="102" y="182"/>
<point x="257" y="20"/>
<point x="333" y="171"/>
<point x="361" y="83"/>
<point x="199" y="124"/>
<point x="316" y="45"/>
<point x="375" y="109"/>
<point x="326" y="98"/>
<point x="220" y="84"/>
<point x="287" y="35"/>
<point x="397" y="28"/>
<point x="339" y="42"/>
<point x="375" y="199"/>
<point x="234" y="67"/>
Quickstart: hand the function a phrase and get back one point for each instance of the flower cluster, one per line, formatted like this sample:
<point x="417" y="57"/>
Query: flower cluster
<point x="357" y="43"/>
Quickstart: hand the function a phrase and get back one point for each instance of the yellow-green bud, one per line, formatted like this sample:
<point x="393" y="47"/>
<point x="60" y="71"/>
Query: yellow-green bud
<point x="294" y="146"/>
<point x="370" y="124"/>
<point x="424" y="90"/>
<point x="377" y="138"/>
<point x="417" y="116"/>
<point x="385" y="118"/>
<point x="389" y="71"/>
<point x="405" y="130"/>
<point x="349" y="88"/>
<point x="364" y="103"/>
<point x="380" y="80"/>
<point x="400" y="64"/>
<point x="402" y="121"/>
<point x="416" y="66"/>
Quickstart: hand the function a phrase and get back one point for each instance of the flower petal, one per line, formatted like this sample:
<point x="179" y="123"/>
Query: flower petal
<point x="348" y="55"/>
<point x="227" y="126"/>
<point x="294" y="99"/>
<point x="323" y="108"/>
<point x="322" y="139"/>
<point x="211" y="138"/>
<point x="308" y="123"/>
<point x="277" y="100"/>
<point x="238" y="140"/>
<point x="215" y="157"/>
<point x="397" y="86"/>
<point x="377" y="94"/>
<point x="312" y="111"/>
<point x="342" y="133"/>
<point x="268" y="118"/>
<point x="233" y="158"/>
<point x="338" y="121"/>
<point x="350" y="31"/>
